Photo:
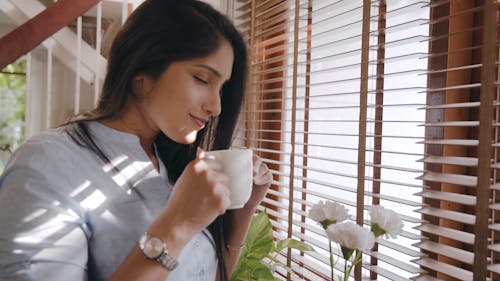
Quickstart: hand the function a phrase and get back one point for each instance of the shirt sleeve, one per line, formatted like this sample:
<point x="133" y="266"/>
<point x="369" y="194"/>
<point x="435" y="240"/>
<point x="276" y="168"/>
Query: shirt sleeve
<point x="43" y="232"/>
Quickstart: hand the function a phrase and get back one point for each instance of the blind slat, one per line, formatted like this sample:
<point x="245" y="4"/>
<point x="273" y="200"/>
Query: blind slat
<point x="449" y="178"/>
<point x="453" y="124"/>
<point x="397" y="263"/>
<point x="462" y="161"/>
<point x="458" y="235"/>
<point x="452" y="105"/>
<point x="445" y="268"/>
<point x="395" y="199"/>
<point x="447" y="214"/>
<point x="449" y="251"/>
<point x="448" y="196"/>
<point x="385" y="273"/>
<point x="400" y="248"/>
<point x="463" y="142"/>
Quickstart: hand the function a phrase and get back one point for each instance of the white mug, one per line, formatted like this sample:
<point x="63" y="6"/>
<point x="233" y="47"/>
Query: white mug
<point x="237" y="166"/>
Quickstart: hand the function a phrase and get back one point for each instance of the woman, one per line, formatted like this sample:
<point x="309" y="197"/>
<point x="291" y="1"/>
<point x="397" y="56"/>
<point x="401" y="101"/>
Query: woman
<point x="124" y="192"/>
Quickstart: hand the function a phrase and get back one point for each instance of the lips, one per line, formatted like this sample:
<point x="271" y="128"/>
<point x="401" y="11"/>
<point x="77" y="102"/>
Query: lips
<point x="199" y="121"/>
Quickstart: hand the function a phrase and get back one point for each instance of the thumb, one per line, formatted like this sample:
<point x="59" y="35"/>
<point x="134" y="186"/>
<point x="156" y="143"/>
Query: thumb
<point x="200" y="153"/>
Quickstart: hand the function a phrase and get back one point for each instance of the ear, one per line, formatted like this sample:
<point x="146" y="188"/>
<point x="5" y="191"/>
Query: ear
<point x="142" y="85"/>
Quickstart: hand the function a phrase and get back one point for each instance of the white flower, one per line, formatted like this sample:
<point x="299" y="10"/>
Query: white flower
<point x="387" y="220"/>
<point x="351" y="235"/>
<point x="328" y="212"/>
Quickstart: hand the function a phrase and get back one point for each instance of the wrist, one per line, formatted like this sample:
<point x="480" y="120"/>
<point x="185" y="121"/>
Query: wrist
<point x="235" y="248"/>
<point x="236" y="224"/>
<point x="172" y="233"/>
<point x="154" y="248"/>
<point x="243" y="213"/>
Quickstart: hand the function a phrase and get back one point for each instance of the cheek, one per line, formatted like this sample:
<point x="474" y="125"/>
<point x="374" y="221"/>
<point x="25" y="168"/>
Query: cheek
<point x="170" y="112"/>
<point x="173" y="101"/>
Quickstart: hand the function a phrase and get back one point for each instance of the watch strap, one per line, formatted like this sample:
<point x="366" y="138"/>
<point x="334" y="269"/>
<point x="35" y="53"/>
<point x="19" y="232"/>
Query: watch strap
<point x="167" y="261"/>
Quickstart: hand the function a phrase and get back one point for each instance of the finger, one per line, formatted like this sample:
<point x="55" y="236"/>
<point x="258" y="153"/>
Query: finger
<point x="265" y="178"/>
<point x="213" y="163"/>
<point x="223" y="179"/>
<point x="200" y="165"/>
<point x="262" y="181"/>
<point x="268" y="176"/>
<point x="224" y="194"/>
<point x="226" y="202"/>
<point x="254" y="157"/>
<point x="256" y="160"/>
<point x="257" y="166"/>
<point x="263" y="169"/>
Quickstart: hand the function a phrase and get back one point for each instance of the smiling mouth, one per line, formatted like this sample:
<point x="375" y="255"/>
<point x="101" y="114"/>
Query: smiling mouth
<point x="199" y="121"/>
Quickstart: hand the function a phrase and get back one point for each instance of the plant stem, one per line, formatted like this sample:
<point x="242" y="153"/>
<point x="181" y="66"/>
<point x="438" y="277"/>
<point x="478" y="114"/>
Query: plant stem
<point x="331" y="258"/>
<point x="273" y="258"/>
<point x="357" y="259"/>
<point x="346" y="273"/>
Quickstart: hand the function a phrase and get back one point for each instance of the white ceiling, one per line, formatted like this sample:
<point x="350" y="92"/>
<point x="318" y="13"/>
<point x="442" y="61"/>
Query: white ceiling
<point x="4" y="19"/>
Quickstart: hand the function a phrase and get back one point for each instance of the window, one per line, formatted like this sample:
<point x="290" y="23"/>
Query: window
<point x="377" y="102"/>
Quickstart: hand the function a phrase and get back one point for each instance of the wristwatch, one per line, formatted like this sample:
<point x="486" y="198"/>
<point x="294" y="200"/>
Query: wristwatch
<point x="156" y="249"/>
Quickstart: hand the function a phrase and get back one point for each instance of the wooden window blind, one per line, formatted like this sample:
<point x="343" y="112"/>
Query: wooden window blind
<point x="460" y="179"/>
<point x="377" y="102"/>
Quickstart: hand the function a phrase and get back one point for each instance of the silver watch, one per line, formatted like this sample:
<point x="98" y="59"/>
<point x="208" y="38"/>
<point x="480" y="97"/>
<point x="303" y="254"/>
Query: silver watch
<point x="156" y="249"/>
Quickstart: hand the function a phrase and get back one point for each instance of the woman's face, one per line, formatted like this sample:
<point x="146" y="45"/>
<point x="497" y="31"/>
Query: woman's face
<point x="182" y="100"/>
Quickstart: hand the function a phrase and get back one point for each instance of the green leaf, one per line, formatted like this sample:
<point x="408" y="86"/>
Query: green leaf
<point x="12" y="95"/>
<point x="243" y="270"/>
<point x="253" y="270"/>
<point x="262" y="272"/>
<point x="294" y="244"/>
<point x="260" y="225"/>
<point x="346" y="252"/>
<point x="260" y="241"/>
<point x="377" y="230"/>
<point x="325" y="223"/>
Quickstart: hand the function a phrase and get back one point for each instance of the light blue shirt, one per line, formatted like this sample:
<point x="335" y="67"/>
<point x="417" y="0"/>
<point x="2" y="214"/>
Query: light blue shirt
<point x="65" y="215"/>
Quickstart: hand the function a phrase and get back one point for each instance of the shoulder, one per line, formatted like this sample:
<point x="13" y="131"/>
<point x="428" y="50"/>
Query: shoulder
<point x="45" y="151"/>
<point x="45" y="164"/>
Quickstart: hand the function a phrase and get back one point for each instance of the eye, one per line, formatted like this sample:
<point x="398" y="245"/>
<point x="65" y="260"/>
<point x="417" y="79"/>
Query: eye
<point x="201" y="80"/>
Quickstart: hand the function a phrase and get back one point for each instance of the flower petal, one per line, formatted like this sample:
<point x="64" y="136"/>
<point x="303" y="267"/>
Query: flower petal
<point x="351" y="235"/>
<point x="386" y="219"/>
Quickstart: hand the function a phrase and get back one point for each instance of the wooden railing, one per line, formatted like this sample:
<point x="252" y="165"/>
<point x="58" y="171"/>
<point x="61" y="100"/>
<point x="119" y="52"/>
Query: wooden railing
<point x="29" y="35"/>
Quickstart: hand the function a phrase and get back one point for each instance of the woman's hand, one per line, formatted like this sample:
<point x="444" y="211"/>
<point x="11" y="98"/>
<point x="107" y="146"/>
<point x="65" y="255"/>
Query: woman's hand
<point x="200" y="195"/>
<point x="262" y="178"/>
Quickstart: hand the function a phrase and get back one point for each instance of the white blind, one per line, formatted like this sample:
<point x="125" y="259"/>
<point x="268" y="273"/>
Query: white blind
<point x="363" y="117"/>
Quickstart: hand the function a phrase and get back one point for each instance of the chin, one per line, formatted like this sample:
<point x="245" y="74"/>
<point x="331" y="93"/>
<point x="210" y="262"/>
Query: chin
<point x="183" y="136"/>
<point x="190" y="138"/>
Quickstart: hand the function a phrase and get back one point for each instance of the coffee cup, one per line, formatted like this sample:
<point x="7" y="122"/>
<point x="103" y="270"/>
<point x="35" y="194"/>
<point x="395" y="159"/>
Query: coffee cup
<point x="237" y="166"/>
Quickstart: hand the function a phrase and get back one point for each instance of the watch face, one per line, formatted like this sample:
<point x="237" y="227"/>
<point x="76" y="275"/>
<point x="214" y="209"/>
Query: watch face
<point x="153" y="248"/>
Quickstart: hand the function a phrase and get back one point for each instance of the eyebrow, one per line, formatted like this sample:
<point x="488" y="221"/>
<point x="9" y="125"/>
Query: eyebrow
<point x="209" y="68"/>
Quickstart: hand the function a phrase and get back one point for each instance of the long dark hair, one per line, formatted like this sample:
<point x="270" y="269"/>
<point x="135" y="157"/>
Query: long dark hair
<point x="156" y="34"/>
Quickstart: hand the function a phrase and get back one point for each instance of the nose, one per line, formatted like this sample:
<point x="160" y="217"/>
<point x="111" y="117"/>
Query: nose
<point x="213" y="104"/>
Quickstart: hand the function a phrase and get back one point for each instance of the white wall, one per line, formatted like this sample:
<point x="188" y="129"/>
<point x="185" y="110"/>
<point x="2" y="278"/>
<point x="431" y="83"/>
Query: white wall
<point x="216" y="4"/>
<point x="219" y="4"/>
<point x="62" y="93"/>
